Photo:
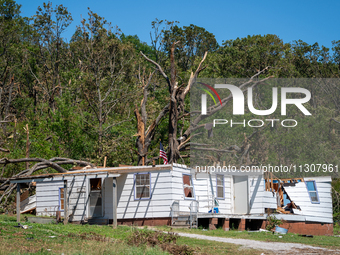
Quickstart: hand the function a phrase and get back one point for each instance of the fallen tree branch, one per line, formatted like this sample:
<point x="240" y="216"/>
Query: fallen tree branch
<point x="54" y="163"/>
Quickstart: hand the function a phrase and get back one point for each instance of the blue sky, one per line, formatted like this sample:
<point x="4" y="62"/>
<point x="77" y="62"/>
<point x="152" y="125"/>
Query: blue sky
<point x="311" y="21"/>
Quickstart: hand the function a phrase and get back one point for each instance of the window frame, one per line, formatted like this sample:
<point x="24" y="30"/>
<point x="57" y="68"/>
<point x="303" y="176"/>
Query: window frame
<point x="60" y="188"/>
<point x="316" y="192"/>
<point x="223" y="185"/>
<point x="193" y="188"/>
<point x="135" y="187"/>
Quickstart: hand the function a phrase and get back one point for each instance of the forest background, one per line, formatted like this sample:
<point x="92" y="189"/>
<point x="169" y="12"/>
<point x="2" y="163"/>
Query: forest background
<point x="86" y="98"/>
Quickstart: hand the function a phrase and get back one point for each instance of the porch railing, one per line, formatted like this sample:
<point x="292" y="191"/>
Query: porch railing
<point x="194" y="205"/>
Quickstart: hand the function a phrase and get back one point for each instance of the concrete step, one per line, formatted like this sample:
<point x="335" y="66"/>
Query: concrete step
<point x="182" y="218"/>
<point x="98" y="221"/>
<point x="174" y="226"/>
<point x="181" y="222"/>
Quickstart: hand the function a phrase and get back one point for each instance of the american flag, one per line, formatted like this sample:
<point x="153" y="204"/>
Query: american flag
<point x="162" y="154"/>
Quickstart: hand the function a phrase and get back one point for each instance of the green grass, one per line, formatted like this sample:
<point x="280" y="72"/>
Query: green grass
<point x="67" y="240"/>
<point x="90" y="239"/>
<point x="331" y="242"/>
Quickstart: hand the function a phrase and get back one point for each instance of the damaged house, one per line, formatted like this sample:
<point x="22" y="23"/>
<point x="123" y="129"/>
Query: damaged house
<point x="177" y="195"/>
<point x="307" y="200"/>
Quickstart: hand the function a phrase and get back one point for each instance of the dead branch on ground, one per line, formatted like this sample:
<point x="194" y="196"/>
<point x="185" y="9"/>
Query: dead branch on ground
<point x="54" y="163"/>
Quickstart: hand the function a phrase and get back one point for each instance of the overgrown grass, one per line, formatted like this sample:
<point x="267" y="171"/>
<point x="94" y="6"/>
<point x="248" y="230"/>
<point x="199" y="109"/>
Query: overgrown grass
<point x="332" y="242"/>
<point x="58" y="239"/>
<point x="91" y="239"/>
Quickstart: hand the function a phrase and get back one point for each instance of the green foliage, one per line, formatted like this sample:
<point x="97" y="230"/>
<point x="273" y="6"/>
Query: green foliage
<point x="68" y="239"/>
<point x="193" y="41"/>
<point x="272" y="222"/>
<point x="138" y="45"/>
<point x="336" y="200"/>
<point x="78" y="97"/>
<point x="9" y="10"/>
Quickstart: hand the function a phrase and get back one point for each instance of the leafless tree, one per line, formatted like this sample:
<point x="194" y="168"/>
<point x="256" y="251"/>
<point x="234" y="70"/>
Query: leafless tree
<point x="179" y="140"/>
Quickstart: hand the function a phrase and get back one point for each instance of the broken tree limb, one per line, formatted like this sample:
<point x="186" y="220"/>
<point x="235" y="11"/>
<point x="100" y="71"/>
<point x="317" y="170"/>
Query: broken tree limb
<point x="7" y="193"/>
<point x="194" y="76"/>
<point x="159" y="68"/>
<point x="20" y="160"/>
<point x="212" y="149"/>
<point x="335" y="120"/>
<point x="73" y="161"/>
<point x="175" y="108"/>
<point x="145" y="135"/>
<point x="40" y="164"/>
<point x="178" y="141"/>
<point x="45" y="162"/>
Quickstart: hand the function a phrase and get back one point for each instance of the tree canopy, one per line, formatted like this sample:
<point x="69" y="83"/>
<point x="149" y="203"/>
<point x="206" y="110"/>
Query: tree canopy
<point x="81" y="99"/>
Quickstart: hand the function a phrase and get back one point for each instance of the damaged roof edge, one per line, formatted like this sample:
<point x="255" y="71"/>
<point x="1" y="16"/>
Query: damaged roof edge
<point x="111" y="170"/>
<point x="319" y="178"/>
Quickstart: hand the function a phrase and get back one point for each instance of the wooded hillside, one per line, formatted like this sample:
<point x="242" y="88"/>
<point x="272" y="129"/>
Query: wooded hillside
<point x="82" y="98"/>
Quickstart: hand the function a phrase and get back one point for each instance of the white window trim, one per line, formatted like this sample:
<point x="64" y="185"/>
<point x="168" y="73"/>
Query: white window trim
<point x="135" y="187"/>
<point x="316" y="192"/>
<point x="217" y="197"/>
<point x="192" y="186"/>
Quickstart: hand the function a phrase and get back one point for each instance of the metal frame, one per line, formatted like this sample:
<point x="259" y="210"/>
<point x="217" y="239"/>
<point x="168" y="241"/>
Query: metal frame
<point x="194" y="205"/>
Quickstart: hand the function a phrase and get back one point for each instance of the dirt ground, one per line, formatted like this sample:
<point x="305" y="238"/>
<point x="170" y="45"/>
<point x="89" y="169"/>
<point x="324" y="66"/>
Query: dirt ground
<point x="272" y="247"/>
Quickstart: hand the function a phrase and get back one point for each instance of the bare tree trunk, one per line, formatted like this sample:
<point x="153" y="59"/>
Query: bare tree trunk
<point x="146" y="135"/>
<point x="27" y="146"/>
<point x="176" y="110"/>
<point x="176" y="104"/>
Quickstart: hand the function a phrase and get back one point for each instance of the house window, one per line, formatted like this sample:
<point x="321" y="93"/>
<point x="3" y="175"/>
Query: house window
<point x="61" y="199"/>
<point x="95" y="184"/>
<point x="220" y="186"/>
<point x="313" y="193"/>
<point x="188" y="186"/>
<point x="142" y="186"/>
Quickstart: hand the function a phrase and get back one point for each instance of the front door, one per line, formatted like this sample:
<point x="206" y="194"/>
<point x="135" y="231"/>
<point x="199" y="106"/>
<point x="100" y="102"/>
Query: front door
<point x="240" y="194"/>
<point x="96" y="198"/>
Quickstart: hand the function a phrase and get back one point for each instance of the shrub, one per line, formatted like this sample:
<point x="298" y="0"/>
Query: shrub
<point x="272" y="221"/>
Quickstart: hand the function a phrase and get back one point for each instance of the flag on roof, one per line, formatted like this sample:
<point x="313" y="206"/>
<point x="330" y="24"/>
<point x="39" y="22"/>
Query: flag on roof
<point x="162" y="154"/>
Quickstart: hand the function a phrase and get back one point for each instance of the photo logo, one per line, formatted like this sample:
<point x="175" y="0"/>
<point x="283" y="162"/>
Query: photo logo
<point x="238" y="99"/>
<point x="204" y="96"/>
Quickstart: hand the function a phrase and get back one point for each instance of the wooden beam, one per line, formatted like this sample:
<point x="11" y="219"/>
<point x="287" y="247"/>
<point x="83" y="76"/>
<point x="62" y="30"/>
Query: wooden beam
<point x="65" y="203"/>
<point x="271" y="181"/>
<point x="101" y="170"/>
<point x="114" y="202"/>
<point x="18" y="202"/>
<point x="105" y="161"/>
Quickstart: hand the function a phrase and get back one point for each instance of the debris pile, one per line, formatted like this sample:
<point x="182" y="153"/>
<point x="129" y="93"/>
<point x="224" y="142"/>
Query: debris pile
<point x="166" y="241"/>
